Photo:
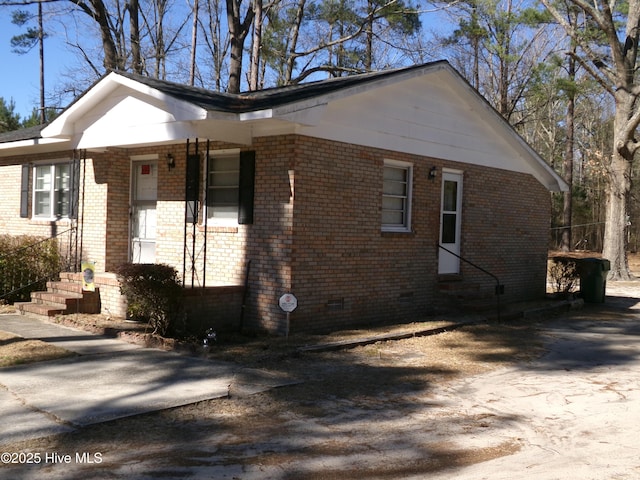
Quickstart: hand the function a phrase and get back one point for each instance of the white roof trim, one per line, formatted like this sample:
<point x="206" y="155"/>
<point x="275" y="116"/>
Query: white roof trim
<point x="63" y="125"/>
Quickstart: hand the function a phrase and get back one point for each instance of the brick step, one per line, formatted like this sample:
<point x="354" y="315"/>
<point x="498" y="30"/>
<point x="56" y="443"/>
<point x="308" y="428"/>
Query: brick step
<point x="71" y="277"/>
<point x="480" y="305"/>
<point x="465" y="297"/>
<point x="37" y="310"/>
<point x="71" y="302"/>
<point x="62" y="297"/>
<point x="46" y="308"/>
<point x="65" y="287"/>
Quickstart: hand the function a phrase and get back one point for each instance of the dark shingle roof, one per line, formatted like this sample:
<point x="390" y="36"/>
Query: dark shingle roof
<point x="261" y="99"/>
<point x="29" y="133"/>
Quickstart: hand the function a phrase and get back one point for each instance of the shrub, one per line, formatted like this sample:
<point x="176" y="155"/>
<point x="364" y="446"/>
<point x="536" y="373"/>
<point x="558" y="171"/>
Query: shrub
<point x="154" y="295"/>
<point x="26" y="263"/>
<point x="563" y="273"/>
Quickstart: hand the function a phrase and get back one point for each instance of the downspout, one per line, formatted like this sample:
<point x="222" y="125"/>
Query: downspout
<point x="186" y="217"/>
<point x="204" y="220"/>
<point x="194" y="230"/>
<point x="80" y="221"/>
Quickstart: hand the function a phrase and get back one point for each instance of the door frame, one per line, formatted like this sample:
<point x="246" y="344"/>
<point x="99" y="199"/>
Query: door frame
<point x="447" y="263"/>
<point x="136" y="160"/>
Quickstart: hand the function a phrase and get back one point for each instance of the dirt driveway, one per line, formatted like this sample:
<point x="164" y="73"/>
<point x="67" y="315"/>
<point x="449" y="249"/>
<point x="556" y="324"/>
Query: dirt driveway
<point x="551" y="397"/>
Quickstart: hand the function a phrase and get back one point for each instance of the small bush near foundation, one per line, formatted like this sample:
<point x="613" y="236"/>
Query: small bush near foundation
<point x="563" y="274"/>
<point x="26" y="263"/>
<point x="154" y="295"/>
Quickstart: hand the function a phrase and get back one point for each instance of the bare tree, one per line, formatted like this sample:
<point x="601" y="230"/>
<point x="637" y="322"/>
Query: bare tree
<point x="194" y="43"/>
<point x="612" y="63"/>
<point x="215" y="45"/>
<point x="24" y="42"/>
<point x="499" y="48"/>
<point x="238" y="30"/>
<point x="96" y="9"/>
<point x="256" y="45"/>
<point x="134" y="35"/>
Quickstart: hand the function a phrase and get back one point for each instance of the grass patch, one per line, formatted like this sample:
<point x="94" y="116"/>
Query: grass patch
<point x="15" y="350"/>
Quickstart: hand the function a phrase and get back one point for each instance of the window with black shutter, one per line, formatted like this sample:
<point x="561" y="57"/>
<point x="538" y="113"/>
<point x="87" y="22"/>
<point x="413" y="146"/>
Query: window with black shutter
<point x="230" y="188"/>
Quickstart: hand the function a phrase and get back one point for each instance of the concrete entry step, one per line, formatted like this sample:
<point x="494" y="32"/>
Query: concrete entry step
<point x="61" y="297"/>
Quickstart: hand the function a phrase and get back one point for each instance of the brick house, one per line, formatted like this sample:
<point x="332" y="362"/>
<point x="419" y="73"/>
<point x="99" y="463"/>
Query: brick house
<point x="339" y="191"/>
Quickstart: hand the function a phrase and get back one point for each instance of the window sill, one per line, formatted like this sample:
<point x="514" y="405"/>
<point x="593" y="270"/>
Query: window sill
<point x="218" y="229"/>
<point x="397" y="233"/>
<point x="49" y="221"/>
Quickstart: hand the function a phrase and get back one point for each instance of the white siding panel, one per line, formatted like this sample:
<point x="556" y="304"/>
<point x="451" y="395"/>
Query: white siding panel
<point x="123" y="111"/>
<point x="422" y="118"/>
<point x="124" y="119"/>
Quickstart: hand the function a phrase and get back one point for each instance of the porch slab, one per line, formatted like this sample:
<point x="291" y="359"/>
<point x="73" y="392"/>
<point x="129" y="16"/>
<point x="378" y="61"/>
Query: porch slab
<point x="110" y="379"/>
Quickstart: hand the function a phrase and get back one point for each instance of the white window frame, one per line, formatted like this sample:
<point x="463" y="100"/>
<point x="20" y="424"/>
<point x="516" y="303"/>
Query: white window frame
<point x="406" y="197"/>
<point x="51" y="215"/>
<point x="222" y="221"/>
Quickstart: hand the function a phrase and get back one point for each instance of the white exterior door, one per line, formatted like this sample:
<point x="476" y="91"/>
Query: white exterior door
<point x="450" y="221"/>
<point x="144" y="196"/>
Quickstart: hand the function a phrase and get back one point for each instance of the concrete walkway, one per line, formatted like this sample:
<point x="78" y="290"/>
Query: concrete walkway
<point x="109" y="379"/>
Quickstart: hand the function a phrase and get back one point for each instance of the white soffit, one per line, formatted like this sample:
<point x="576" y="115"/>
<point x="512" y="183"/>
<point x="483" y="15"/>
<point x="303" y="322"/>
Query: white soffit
<point x="117" y="96"/>
<point x="33" y="146"/>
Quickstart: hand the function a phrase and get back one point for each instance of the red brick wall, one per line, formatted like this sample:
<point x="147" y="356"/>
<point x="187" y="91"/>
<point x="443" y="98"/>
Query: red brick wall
<point x="346" y="271"/>
<point x="269" y="239"/>
<point x="92" y="215"/>
<point x="324" y="243"/>
<point x="506" y="225"/>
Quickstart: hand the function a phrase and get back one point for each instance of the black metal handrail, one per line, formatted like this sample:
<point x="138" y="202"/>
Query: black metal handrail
<point x="15" y="278"/>
<point x="499" y="288"/>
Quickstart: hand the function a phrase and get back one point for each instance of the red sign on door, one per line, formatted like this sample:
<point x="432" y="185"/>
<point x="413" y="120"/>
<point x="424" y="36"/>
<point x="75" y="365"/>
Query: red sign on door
<point x="145" y="169"/>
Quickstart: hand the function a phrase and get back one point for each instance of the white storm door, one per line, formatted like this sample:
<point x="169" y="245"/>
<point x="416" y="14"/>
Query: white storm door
<point x="144" y="196"/>
<point x="450" y="221"/>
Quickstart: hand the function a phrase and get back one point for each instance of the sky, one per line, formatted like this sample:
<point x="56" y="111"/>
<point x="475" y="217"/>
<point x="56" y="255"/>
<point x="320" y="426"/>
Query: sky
<point x="20" y="78"/>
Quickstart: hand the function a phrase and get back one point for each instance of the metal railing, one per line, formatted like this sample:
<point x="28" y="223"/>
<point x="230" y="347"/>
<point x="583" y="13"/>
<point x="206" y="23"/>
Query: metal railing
<point x="499" y="288"/>
<point x="27" y="268"/>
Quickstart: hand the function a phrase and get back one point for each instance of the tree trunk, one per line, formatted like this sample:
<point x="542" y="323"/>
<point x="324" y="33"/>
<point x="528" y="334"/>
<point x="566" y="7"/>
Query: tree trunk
<point x="194" y="44"/>
<point x="293" y="43"/>
<point x="368" y="51"/>
<point x="618" y="192"/>
<point x="136" y="58"/>
<point x="238" y="31"/>
<point x="43" y="111"/>
<point x="256" y="45"/>
<point x="112" y="61"/>
<point x="475" y="41"/>
<point x="567" y="164"/>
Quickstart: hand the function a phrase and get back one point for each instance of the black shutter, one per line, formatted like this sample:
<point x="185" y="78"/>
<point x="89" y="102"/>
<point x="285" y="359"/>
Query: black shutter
<point x="247" y="181"/>
<point x="74" y="188"/>
<point x="24" y="192"/>
<point x="192" y="186"/>
<point x="193" y="177"/>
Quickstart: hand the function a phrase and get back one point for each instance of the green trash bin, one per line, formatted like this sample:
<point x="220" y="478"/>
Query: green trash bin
<point x="593" y="278"/>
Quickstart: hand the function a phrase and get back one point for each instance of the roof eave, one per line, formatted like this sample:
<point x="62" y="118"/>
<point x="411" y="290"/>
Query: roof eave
<point x="31" y="146"/>
<point x="63" y="125"/>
